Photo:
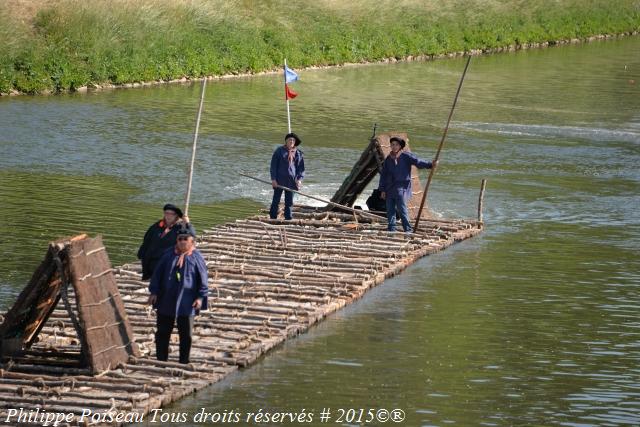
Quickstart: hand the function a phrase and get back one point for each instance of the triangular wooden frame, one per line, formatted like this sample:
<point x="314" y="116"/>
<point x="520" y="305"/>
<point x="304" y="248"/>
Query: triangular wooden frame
<point x="98" y="315"/>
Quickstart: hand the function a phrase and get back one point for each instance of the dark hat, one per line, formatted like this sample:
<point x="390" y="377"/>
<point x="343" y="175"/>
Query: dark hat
<point x="400" y="141"/>
<point x="294" y="136"/>
<point x="170" y="207"/>
<point x="186" y="230"/>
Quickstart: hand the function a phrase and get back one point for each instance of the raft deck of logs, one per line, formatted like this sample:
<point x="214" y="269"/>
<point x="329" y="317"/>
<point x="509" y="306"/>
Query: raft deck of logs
<point x="269" y="280"/>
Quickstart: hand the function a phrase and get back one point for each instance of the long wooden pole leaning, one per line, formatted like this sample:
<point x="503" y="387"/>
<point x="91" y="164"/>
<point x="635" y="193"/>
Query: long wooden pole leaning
<point x="193" y="149"/>
<point x="355" y="211"/>
<point x="444" y="135"/>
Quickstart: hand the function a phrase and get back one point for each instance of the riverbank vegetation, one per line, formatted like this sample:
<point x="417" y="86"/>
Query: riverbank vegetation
<point x="62" y="45"/>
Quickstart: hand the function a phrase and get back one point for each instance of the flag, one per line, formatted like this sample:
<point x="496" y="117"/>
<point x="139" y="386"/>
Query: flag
<point x="289" y="93"/>
<point x="289" y="75"/>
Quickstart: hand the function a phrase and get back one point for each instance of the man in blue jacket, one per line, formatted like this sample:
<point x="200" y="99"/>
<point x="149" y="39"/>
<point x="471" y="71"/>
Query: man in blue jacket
<point x="179" y="291"/>
<point x="395" y="182"/>
<point x="287" y="170"/>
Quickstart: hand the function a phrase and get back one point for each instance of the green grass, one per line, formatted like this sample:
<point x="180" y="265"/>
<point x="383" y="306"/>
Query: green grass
<point x="66" y="44"/>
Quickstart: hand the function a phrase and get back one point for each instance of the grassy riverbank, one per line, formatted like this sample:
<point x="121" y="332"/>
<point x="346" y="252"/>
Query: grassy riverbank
<point x="61" y="45"/>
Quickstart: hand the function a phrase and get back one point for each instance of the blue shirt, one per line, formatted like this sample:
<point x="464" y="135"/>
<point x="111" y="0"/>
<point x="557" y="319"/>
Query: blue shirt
<point x="395" y="179"/>
<point x="178" y="288"/>
<point x="285" y="173"/>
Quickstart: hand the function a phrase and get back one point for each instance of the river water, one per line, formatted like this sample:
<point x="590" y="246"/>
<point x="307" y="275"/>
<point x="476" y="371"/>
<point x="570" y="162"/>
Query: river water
<point x="535" y="322"/>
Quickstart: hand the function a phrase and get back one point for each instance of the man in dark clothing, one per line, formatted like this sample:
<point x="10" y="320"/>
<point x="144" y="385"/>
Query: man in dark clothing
<point x="159" y="237"/>
<point x="395" y="182"/>
<point x="178" y="291"/>
<point x="375" y="202"/>
<point x="287" y="170"/>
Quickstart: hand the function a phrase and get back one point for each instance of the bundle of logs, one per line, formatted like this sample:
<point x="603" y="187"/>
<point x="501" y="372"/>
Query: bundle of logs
<point x="268" y="280"/>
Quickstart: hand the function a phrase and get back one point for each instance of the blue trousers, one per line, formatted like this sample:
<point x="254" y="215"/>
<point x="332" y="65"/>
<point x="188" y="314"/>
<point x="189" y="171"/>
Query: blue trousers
<point x="399" y="205"/>
<point x="288" y="202"/>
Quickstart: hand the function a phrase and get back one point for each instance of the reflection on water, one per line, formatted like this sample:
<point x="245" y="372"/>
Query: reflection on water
<point x="533" y="323"/>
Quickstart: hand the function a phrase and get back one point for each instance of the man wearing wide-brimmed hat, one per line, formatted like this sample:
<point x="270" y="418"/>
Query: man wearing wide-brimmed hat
<point x="159" y="237"/>
<point x="178" y="291"/>
<point x="395" y="182"/>
<point x="287" y="170"/>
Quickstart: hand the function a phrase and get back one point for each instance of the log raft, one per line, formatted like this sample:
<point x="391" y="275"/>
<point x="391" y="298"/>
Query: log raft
<point x="269" y="280"/>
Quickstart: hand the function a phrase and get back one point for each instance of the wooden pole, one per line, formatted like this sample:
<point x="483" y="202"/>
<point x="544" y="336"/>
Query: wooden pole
<point x="481" y="198"/>
<point x="193" y="149"/>
<point x="444" y="135"/>
<point x="355" y="211"/>
<point x="286" y="97"/>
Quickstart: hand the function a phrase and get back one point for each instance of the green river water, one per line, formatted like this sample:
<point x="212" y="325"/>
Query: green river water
<point x="535" y="322"/>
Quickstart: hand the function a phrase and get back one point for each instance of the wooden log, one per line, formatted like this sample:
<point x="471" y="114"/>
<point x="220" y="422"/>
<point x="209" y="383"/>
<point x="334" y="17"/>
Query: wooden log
<point x="483" y="185"/>
<point x="344" y="256"/>
<point x="279" y="263"/>
<point x="50" y="407"/>
<point x="47" y="369"/>
<point x="172" y="371"/>
<point x="49" y="361"/>
<point x="253" y="290"/>
<point x="79" y="403"/>
<point x="306" y="281"/>
<point x="292" y="273"/>
<point x="122" y="397"/>
<point x="71" y="383"/>
<point x="331" y="249"/>
<point x="316" y="234"/>
<point x="268" y="258"/>
<point x="310" y="234"/>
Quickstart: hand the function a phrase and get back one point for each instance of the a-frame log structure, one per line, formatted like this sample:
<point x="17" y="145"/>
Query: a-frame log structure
<point x="78" y="272"/>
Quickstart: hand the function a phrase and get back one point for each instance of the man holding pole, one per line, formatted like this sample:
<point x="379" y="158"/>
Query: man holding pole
<point x="395" y="182"/>
<point x="287" y="170"/>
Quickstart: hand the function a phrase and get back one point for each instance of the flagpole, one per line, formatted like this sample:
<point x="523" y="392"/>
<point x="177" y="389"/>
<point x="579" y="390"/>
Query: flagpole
<point x="286" y="97"/>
